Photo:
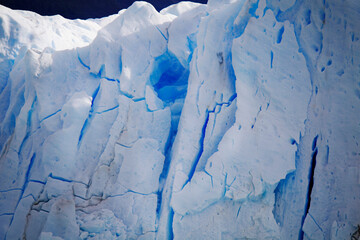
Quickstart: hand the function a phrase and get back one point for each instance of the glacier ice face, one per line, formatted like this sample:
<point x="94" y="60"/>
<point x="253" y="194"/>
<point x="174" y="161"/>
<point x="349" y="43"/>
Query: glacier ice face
<point x="232" y="120"/>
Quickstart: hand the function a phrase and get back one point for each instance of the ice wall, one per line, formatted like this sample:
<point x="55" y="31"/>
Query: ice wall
<point x="231" y="120"/>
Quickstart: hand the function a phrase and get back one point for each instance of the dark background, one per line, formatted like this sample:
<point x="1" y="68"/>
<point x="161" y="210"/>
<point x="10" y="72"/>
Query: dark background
<point x="82" y="9"/>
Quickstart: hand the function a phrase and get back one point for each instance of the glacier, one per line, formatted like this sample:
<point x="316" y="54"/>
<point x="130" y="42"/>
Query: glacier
<point x="235" y="119"/>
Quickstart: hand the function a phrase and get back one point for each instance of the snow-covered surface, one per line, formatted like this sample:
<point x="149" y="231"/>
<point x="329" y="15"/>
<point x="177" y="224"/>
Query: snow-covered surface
<point x="232" y="120"/>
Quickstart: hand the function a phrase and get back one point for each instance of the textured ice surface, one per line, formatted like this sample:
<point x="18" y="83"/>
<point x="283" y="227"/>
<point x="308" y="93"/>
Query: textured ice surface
<point x="232" y="120"/>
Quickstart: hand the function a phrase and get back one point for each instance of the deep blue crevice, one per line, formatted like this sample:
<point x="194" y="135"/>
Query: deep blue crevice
<point x="59" y="178"/>
<point x="170" y="224"/>
<point x="108" y="110"/>
<point x="310" y="186"/>
<point x="82" y="63"/>
<point x="137" y="99"/>
<point x="280" y="35"/>
<point x="37" y="181"/>
<point x="271" y="59"/>
<point x="83" y="130"/>
<point x="307" y="17"/>
<point x="50" y="115"/>
<point x="27" y="174"/>
<point x="167" y="161"/>
<point x="110" y="79"/>
<point x="89" y="118"/>
<point x="124" y="146"/>
<point x="162" y="34"/>
<point x="201" y="148"/>
<point x="237" y="214"/>
<point x="158" y="203"/>
<point x="313" y="146"/>
<point x="166" y="167"/>
<point x="7" y="214"/>
<point x="65" y="180"/>
<point x="231" y="99"/>
<point x="293" y="142"/>
<point x="120" y="64"/>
